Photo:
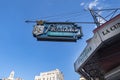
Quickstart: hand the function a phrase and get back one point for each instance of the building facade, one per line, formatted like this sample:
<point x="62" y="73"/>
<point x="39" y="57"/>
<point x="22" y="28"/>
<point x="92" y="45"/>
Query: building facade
<point x="50" y="75"/>
<point x="100" y="60"/>
<point x="11" y="77"/>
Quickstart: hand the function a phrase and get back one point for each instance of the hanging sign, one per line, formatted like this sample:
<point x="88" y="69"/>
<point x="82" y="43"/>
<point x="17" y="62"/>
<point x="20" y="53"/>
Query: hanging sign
<point x="57" y="31"/>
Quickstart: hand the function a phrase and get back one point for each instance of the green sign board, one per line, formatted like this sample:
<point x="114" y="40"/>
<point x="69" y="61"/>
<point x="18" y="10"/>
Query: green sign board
<point x="57" y="31"/>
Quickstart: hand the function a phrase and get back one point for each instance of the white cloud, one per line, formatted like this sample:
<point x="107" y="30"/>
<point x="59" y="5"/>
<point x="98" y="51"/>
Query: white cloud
<point x="99" y="7"/>
<point x="82" y="4"/>
<point x="90" y="5"/>
<point x="93" y="4"/>
<point x="101" y="20"/>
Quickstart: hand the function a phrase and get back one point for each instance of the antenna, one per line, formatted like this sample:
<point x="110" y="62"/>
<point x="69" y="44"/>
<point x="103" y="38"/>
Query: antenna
<point x="96" y="14"/>
<point x="98" y="19"/>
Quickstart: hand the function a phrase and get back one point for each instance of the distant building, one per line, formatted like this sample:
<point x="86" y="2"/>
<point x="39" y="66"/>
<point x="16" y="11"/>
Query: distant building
<point x="82" y="78"/>
<point x="50" y="75"/>
<point x="11" y="77"/>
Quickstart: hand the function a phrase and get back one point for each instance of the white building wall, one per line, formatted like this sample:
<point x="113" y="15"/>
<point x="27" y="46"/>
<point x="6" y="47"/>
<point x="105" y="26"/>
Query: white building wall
<point x="11" y="77"/>
<point x="51" y="75"/>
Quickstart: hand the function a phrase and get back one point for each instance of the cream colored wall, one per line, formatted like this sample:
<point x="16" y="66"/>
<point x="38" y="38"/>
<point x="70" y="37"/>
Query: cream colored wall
<point x="51" y="75"/>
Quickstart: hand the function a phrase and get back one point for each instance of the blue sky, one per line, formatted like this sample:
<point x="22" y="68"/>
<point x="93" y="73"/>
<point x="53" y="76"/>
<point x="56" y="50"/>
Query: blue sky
<point x="21" y="52"/>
